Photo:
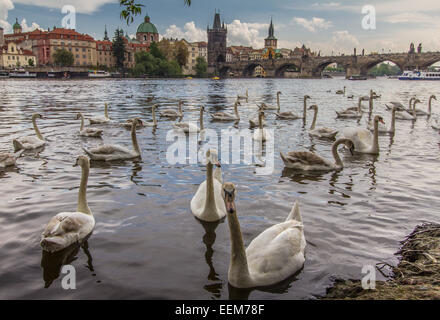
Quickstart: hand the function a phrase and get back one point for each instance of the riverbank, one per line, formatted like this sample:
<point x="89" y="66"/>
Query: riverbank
<point x="417" y="275"/>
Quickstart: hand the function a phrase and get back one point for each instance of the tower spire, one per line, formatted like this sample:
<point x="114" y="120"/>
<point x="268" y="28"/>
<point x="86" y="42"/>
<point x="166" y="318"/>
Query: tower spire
<point x="106" y="34"/>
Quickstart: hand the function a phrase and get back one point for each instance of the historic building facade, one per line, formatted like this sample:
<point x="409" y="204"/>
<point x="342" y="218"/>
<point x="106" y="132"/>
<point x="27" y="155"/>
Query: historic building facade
<point x="147" y="32"/>
<point x="217" y="42"/>
<point x="13" y="56"/>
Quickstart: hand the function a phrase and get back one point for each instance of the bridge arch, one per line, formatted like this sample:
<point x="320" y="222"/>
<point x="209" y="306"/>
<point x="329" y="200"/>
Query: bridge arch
<point x="248" y="70"/>
<point x="225" y="71"/>
<point x="317" y="71"/>
<point x="279" y="72"/>
<point x="367" y="67"/>
<point x="430" y="63"/>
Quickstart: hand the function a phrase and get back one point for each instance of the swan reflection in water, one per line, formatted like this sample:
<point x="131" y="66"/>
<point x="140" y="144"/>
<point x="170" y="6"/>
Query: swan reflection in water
<point x="279" y="288"/>
<point x="215" y="285"/>
<point x="52" y="263"/>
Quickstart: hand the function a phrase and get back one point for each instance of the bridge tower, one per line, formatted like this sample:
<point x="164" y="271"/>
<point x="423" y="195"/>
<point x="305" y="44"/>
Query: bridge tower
<point x="216" y="43"/>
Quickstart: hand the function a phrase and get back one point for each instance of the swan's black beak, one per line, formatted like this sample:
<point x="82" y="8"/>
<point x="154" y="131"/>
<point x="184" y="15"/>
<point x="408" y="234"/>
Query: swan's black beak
<point x="218" y="164"/>
<point x="229" y="202"/>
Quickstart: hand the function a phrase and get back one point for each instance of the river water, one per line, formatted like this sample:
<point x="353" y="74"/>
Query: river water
<point x="147" y="244"/>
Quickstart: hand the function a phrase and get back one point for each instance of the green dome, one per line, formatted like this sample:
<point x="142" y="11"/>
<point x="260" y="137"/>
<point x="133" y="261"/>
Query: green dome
<point x="147" y="26"/>
<point x="16" y="25"/>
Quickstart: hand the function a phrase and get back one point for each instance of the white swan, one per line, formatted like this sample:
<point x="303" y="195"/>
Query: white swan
<point x="9" y="159"/>
<point x="400" y="106"/>
<point x="116" y="152"/>
<point x="260" y="134"/>
<point x="67" y="228"/>
<point x="290" y="115"/>
<point x="153" y="114"/>
<point x="363" y="140"/>
<point x="322" y="132"/>
<point x="188" y="128"/>
<point x="223" y="116"/>
<point x="170" y="113"/>
<point x="207" y="204"/>
<point x="88" y="132"/>
<point x="404" y="115"/>
<point x="101" y="119"/>
<point x="382" y="128"/>
<point x="246" y="97"/>
<point x="420" y="112"/>
<point x="309" y="161"/>
<point x="270" y="107"/>
<point x="253" y="123"/>
<point x="29" y="143"/>
<point x="430" y="104"/>
<point x="273" y="256"/>
<point x="352" y="112"/>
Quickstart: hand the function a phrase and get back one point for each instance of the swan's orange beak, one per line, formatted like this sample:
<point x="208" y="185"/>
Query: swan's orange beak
<point x="381" y="121"/>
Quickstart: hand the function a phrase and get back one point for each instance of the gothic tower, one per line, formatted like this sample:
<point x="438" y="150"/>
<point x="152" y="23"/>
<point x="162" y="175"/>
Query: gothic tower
<point x="217" y="42"/>
<point x="271" y="41"/>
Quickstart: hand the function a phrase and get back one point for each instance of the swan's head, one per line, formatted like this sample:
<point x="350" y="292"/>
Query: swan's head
<point x="212" y="157"/>
<point x="416" y="101"/>
<point x="228" y="194"/>
<point x="82" y="161"/>
<point x="202" y="108"/>
<point x="237" y="103"/>
<point x="307" y="97"/>
<point x="155" y="106"/>
<point x="279" y="92"/>
<point x="137" y="122"/>
<point x="37" y="116"/>
<point x="379" y="119"/>
<point x="349" y="145"/>
<point x="78" y="116"/>
<point x="434" y="97"/>
<point x="314" y="107"/>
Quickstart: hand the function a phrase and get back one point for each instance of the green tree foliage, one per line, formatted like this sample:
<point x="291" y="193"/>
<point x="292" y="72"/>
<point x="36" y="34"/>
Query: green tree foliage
<point x="31" y="62"/>
<point x="181" y="53"/>
<point x="201" y="67"/>
<point x="119" y="48"/>
<point x="155" y="64"/>
<point x="385" y="69"/>
<point x="63" y="58"/>
<point x="132" y="8"/>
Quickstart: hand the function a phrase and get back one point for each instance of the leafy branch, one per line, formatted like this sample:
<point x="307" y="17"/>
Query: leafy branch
<point x="131" y="9"/>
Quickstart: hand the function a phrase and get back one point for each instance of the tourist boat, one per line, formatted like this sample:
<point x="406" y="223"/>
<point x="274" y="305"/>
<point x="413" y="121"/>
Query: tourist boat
<point x="420" y="75"/>
<point x="216" y="78"/>
<point x="357" y="77"/>
<point x="21" y="73"/>
<point x="4" y="74"/>
<point x="98" y="74"/>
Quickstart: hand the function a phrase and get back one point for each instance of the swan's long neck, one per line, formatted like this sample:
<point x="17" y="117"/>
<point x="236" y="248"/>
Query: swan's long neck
<point x="134" y="139"/>
<point x="180" y="109"/>
<point x="360" y="105"/>
<point x="375" y="147"/>
<point x="278" y="101"/>
<point x="305" y="109"/>
<point x="338" y="161"/>
<point x="260" y="121"/>
<point x="236" y="111"/>
<point x="410" y="103"/>
<point x="202" y="126"/>
<point x="82" y="197"/>
<point x="238" y="266"/>
<point x="37" y="131"/>
<point x="430" y="105"/>
<point x="370" y="103"/>
<point x="315" y="116"/>
<point x="106" y="111"/>
<point x="153" y="111"/>
<point x="210" y="206"/>
<point x="82" y="122"/>
<point x="393" y="121"/>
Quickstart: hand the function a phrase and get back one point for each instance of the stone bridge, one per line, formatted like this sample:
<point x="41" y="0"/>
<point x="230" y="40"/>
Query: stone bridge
<point x="307" y="67"/>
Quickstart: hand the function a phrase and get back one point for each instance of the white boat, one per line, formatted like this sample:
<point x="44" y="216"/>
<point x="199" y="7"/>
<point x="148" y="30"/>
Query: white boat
<point x="4" y="74"/>
<point x="98" y="74"/>
<point x="21" y="73"/>
<point x="420" y="75"/>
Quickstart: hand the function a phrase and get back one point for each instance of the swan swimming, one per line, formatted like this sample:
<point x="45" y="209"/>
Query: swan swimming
<point x="101" y="119"/>
<point x="87" y="132"/>
<point x="29" y="143"/>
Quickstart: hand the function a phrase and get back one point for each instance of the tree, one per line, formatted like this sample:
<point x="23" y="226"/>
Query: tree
<point x="201" y="67"/>
<point x="119" y="48"/>
<point x="156" y="52"/>
<point x="154" y="63"/>
<point x="181" y="53"/>
<point x="132" y="8"/>
<point x="31" y="62"/>
<point x="63" y="58"/>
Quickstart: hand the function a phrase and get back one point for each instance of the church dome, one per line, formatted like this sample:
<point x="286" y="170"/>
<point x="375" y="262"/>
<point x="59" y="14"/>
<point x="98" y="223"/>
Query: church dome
<point x="147" y="26"/>
<point x="16" y="25"/>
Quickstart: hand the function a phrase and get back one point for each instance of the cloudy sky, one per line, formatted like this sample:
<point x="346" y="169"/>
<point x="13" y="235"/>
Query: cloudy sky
<point x="330" y="25"/>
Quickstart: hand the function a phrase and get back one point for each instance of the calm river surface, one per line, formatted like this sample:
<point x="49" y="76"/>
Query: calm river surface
<point x="147" y="244"/>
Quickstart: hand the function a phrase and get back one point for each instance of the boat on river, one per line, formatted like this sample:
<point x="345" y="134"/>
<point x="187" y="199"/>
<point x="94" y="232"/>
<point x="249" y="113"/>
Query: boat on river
<point x="21" y="73"/>
<point x="98" y="74"/>
<point x="420" y="75"/>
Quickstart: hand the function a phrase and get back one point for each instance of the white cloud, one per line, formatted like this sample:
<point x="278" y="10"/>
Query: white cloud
<point x="32" y="27"/>
<point x="191" y="33"/>
<point x="5" y="6"/>
<point x="327" y="4"/>
<point x="81" y="6"/>
<point x="344" y="38"/>
<point x="314" y="24"/>
<point x="246" y="34"/>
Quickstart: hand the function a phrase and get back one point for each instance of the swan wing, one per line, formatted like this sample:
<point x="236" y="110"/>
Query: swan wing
<point x="305" y="158"/>
<point x="198" y="202"/>
<point x="362" y="138"/>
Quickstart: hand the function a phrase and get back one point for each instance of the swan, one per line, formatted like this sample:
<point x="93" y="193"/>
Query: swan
<point x="436" y="126"/>
<point x="269" y="107"/>
<point x="382" y="128"/>
<point x="260" y="134"/>
<point x="401" y="107"/>
<point x="253" y="123"/>
<point x="341" y="91"/>
<point x="170" y="113"/>
<point x="67" y="228"/>
<point x="116" y="152"/>
<point x="405" y="115"/>
<point x="9" y="159"/>
<point x="321" y="132"/>
<point x="29" y="143"/>
<point x="223" y="116"/>
<point x="363" y="140"/>
<point x="309" y="161"/>
<point x="188" y="128"/>
<point x="149" y="99"/>
<point x="88" y="132"/>
<point x="207" y="204"/>
<point x="420" y="112"/>
<point x="291" y="115"/>
<point x="273" y="256"/>
<point x="430" y="104"/>
<point x="101" y="119"/>
<point x="246" y="97"/>
<point x="352" y="112"/>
